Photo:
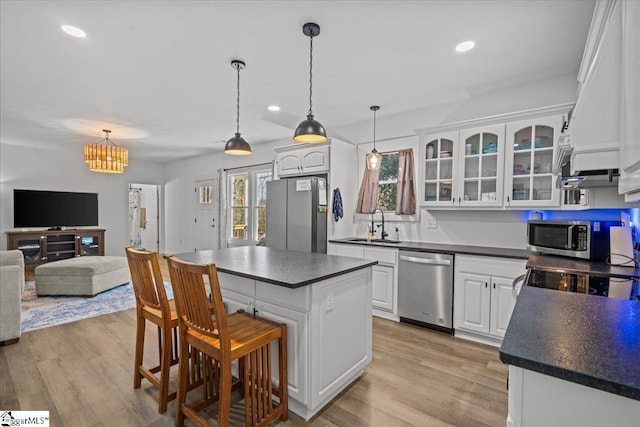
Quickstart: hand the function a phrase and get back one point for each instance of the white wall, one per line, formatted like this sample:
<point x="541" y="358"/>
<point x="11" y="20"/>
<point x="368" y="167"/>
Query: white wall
<point x="64" y="170"/>
<point x="179" y="206"/>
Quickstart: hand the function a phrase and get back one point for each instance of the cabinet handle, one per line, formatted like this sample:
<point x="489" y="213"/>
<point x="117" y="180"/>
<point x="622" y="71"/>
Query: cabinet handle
<point x="494" y="285"/>
<point x="459" y="199"/>
<point x="486" y="285"/>
<point x="508" y="200"/>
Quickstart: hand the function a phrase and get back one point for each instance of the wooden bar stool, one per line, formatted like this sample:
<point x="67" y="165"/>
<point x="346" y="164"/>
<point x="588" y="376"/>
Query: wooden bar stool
<point x="153" y="305"/>
<point x="239" y="336"/>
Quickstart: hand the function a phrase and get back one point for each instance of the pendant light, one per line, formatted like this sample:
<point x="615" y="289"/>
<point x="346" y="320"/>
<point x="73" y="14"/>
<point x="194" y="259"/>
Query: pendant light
<point x="374" y="158"/>
<point x="310" y="130"/>
<point x="237" y="145"/>
<point x="105" y="156"/>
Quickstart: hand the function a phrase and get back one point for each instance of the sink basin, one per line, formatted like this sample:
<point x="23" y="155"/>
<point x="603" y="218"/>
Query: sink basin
<point x="363" y="239"/>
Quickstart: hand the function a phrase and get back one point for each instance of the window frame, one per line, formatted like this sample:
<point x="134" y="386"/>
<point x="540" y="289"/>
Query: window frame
<point x="386" y="182"/>
<point x="251" y="206"/>
<point x="394" y="145"/>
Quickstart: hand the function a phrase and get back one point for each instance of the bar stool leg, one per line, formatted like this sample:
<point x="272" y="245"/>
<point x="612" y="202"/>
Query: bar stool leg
<point x="165" y="365"/>
<point x="183" y="369"/>
<point x="224" y="402"/>
<point x="140" y="330"/>
<point x="282" y="371"/>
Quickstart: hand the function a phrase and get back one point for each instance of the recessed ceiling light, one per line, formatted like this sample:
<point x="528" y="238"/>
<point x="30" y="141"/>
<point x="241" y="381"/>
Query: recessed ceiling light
<point x="273" y="108"/>
<point x="74" y="31"/>
<point x="465" y="46"/>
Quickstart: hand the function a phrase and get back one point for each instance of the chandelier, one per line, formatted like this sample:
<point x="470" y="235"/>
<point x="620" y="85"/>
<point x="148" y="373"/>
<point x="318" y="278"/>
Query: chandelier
<point x="105" y="156"/>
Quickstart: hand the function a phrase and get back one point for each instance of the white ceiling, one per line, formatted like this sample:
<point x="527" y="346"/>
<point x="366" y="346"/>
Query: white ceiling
<point x="158" y="72"/>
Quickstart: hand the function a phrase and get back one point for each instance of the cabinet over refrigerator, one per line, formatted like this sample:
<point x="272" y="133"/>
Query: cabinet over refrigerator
<point x="297" y="214"/>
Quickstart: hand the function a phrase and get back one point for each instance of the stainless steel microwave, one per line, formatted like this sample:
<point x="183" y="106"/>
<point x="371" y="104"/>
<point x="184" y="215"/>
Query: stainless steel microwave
<point x="577" y="239"/>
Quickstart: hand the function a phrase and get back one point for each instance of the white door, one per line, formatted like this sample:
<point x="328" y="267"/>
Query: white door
<point x="473" y="302"/>
<point x="207" y="200"/>
<point x="144" y="215"/>
<point x="382" y="287"/>
<point x="150" y="204"/>
<point x="502" y="303"/>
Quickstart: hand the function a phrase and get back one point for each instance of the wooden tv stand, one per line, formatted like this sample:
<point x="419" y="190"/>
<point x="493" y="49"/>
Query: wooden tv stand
<point x="42" y="246"/>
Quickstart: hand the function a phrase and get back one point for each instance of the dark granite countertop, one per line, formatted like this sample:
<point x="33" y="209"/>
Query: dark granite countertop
<point x="585" y="339"/>
<point x="575" y="265"/>
<point x="444" y="248"/>
<point x="283" y="268"/>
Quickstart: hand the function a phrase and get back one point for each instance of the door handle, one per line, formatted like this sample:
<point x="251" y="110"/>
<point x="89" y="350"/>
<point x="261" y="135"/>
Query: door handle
<point x="425" y="260"/>
<point x="515" y="282"/>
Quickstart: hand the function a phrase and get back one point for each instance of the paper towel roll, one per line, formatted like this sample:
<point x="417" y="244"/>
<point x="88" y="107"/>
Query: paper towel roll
<point x="621" y="246"/>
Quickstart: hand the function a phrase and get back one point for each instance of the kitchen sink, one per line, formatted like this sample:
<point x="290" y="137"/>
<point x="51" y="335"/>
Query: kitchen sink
<point x="364" y="239"/>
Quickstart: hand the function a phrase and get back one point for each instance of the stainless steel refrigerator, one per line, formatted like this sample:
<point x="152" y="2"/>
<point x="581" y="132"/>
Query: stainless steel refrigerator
<point x="297" y="214"/>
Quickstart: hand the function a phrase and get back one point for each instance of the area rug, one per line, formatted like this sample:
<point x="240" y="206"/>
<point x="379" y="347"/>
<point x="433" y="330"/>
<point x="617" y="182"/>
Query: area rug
<point x="42" y="312"/>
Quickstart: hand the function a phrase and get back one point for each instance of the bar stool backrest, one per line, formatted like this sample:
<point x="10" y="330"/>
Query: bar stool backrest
<point x="192" y="303"/>
<point x="147" y="281"/>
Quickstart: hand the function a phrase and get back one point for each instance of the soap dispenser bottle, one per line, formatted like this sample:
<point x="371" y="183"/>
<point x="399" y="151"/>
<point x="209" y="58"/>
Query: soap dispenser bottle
<point x="396" y="234"/>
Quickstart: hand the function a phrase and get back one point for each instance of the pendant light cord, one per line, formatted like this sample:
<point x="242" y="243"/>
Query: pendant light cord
<point x="374" y="129"/>
<point x="238" y="102"/>
<point x="310" y="74"/>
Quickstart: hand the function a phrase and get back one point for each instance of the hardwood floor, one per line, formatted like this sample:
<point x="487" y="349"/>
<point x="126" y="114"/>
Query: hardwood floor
<point x="82" y="372"/>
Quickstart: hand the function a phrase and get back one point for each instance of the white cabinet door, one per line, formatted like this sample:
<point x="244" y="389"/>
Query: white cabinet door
<point x="481" y="166"/>
<point x="439" y="159"/>
<point x="382" y="287"/>
<point x="529" y="161"/>
<point x="289" y="164"/>
<point x="297" y="358"/>
<point x="629" y="183"/>
<point x="315" y="159"/>
<point x="472" y="298"/>
<point x="502" y="303"/>
<point x="303" y="160"/>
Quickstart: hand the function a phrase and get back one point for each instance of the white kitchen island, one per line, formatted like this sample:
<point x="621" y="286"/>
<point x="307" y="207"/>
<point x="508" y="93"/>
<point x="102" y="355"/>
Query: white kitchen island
<point x="324" y="300"/>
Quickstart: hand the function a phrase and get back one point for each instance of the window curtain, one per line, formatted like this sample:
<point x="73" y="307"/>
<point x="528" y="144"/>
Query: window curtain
<point x="405" y="196"/>
<point x="368" y="195"/>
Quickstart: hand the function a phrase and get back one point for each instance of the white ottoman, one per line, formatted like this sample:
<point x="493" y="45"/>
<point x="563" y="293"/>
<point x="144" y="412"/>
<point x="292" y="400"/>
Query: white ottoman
<point x="86" y="276"/>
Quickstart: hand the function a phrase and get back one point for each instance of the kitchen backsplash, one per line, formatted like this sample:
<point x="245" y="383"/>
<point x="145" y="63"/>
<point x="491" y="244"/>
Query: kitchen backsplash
<point x="481" y="228"/>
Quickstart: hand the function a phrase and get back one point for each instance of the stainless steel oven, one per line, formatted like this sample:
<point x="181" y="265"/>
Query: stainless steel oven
<point x="577" y="239"/>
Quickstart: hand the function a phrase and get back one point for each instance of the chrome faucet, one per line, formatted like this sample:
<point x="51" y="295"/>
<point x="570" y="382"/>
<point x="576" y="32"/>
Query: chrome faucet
<point x="383" y="234"/>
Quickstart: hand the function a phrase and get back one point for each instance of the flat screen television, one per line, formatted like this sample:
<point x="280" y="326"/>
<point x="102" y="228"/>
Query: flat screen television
<point x="54" y="209"/>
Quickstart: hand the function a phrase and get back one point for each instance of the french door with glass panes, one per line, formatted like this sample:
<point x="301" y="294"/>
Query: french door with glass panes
<point x="530" y="155"/>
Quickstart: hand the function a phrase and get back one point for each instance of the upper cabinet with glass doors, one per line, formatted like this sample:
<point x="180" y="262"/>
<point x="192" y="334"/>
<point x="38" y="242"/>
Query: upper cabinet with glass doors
<point x="464" y="168"/>
<point x="439" y="157"/>
<point x="494" y="162"/>
<point x="529" y="181"/>
<point x="481" y="166"/>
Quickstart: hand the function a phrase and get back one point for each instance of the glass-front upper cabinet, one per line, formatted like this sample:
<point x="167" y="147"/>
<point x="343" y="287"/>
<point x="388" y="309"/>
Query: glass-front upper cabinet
<point x="481" y="166"/>
<point x="439" y="157"/>
<point x="529" y="180"/>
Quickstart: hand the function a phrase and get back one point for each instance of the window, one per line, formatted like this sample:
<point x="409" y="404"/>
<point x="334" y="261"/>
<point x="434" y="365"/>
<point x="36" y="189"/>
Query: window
<point x="388" y="182"/>
<point x="247" y="205"/>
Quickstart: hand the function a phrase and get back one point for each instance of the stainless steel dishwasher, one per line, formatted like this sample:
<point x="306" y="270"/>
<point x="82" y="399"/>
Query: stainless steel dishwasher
<point x="425" y="289"/>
